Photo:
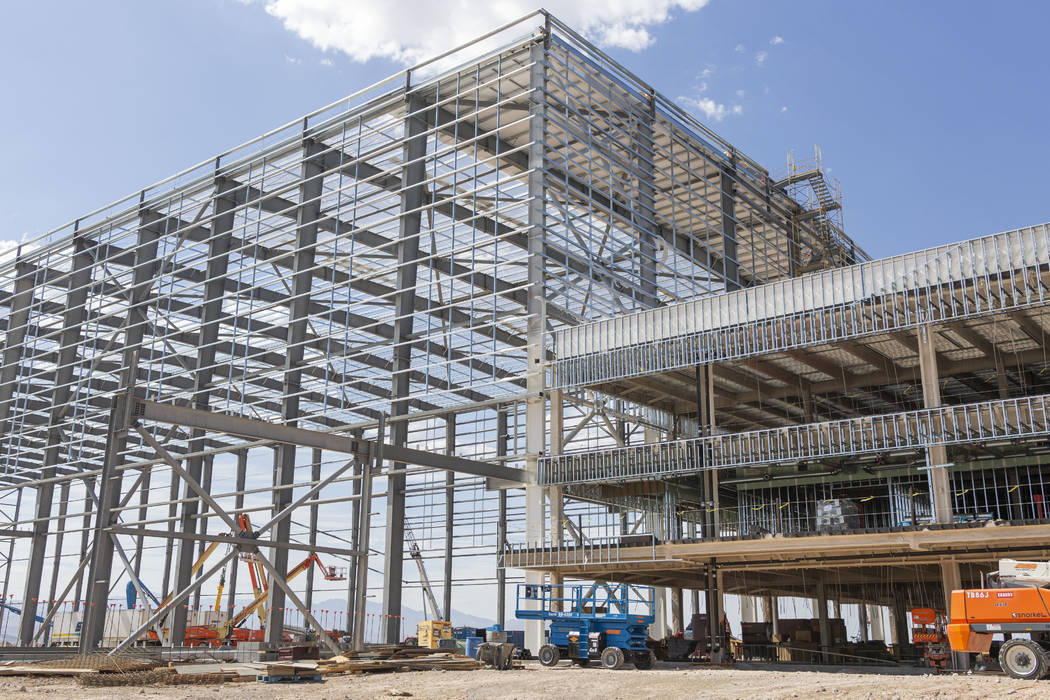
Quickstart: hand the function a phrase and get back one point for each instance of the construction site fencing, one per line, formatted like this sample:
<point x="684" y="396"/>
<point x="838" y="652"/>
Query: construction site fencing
<point x="908" y="430"/>
<point x="985" y="275"/>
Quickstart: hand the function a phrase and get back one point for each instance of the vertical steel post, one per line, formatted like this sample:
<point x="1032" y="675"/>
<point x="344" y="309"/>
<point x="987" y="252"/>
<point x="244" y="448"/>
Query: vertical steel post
<point x="413" y="196"/>
<point x="311" y="188"/>
<point x="730" y="266"/>
<point x="355" y="540"/>
<point x="238" y="503"/>
<point x="74" y="316"/>
<point x="315" y="476"/>
<point x="372" y="465"/>
<point x="501" y="524"/>
<point x="224" y="205"/>
<point x="645" y="206"/>
<point x="96" y="603"/>
<point x="450" y="521"/>
<point x="535" y="377"/>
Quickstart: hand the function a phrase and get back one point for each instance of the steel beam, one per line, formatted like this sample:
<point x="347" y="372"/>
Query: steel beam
<point x="263" y="430"/>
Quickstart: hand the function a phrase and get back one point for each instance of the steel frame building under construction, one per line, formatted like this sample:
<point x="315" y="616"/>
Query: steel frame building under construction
<point x="515" y="305"/>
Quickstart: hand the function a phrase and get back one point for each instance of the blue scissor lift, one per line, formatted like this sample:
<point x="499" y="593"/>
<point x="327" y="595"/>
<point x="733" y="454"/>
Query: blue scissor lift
<point x="607" y="622"/>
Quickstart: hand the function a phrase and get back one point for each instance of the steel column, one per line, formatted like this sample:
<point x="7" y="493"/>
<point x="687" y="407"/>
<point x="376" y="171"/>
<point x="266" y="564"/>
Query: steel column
<point x="730" y="266"/>
<point x="413" y="197"/>
<point x="74" y="316"/>
<point x="211" y="319"/>
<point x="370" y="466"/>
<point x="450" y="520"/>
<point x="315" y="476"/>
<point x="535" y="377"/>
<point x="238" y="503"/>
<point x="310" y="191"/>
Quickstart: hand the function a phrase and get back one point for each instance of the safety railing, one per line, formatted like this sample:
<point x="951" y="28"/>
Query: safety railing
<point x="984" y="275"/>
<point x="602" y="550"/>
<point x="988" y="420"/>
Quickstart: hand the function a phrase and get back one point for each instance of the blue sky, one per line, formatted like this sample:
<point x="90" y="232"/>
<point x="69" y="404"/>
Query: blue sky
<point x="933" y="114"/>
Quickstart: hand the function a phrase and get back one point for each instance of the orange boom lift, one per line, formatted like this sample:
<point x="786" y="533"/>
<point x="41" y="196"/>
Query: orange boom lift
<point x="1016" y="600"/>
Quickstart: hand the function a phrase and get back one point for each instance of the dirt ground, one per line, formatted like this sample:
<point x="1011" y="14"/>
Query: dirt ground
<point x="535" y="682"/>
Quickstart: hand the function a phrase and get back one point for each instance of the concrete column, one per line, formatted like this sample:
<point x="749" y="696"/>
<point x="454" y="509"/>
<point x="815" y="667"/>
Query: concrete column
<point x="937" y="455"/>
<point x="821" y="602"/>
<point x="900" y="626"/>
<point x="749" y="608"/>
<point x="951" y="580"/>
<point x="677" y="616"/>
<point x="771" y="613"/>
<point x="535" y="378"/>
<point x="862" y="616"/>
<point x="875" y="617"/>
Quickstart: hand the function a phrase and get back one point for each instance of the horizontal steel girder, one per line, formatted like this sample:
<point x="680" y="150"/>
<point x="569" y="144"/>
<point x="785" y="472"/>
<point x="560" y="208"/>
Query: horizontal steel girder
<point x="262" y="430"/>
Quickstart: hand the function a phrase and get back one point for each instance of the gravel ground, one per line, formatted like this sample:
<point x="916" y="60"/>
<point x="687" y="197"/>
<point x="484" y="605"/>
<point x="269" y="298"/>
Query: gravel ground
<point x="535" y="682"/>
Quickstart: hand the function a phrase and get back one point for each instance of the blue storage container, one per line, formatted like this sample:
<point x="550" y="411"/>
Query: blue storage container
<point x="472" y="646"/>
<point x="517" y="638"/>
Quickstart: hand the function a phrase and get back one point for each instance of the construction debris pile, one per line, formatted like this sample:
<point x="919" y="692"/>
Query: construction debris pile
<point x="104" y="671"/>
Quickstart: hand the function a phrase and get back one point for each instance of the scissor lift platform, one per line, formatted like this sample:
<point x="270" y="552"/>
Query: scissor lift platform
<point x="600" y="621"/>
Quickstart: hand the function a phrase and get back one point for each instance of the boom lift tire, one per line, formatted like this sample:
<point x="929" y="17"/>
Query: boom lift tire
<point x="612" y="658"/>
<point x="549" y="655"/>
<point x="1024" y="659"/>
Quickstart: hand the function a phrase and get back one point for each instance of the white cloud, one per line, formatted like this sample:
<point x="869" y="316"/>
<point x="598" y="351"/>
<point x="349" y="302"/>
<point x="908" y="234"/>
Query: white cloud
<point x="776" y="40"/>
<point x="327" y="62"/>
<point x="409" y="31"/>
<point x="783" y="109"/>
<point x="760" y="58"/>
<point x="711" y="110"/>
<point x="292" y="60"/>
<point x="741" y="94"/>
<point x="740" y="48"/>
<point x="707" y="72"/>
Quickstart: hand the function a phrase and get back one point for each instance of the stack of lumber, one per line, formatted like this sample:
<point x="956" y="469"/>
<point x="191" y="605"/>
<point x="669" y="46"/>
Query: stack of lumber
<point x="403" y="659"/>
<point x="77" y="666"/>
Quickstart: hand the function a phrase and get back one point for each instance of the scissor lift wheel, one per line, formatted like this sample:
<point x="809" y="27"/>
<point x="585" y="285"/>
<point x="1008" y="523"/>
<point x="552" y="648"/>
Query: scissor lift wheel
<point x="549" y="655"/>
<point x="612" y="658"/>
<point x="1023" y="658"/>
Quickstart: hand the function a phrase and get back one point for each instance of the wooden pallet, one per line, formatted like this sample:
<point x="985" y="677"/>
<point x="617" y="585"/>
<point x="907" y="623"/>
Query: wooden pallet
<point x="291" y="679"/>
